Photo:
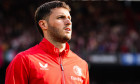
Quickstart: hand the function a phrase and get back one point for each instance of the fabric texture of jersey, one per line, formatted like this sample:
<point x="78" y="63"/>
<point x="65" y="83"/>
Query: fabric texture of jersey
<point x="43" y="64"/>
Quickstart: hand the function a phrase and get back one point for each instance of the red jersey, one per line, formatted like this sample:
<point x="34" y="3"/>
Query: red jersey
<point x="43" y="64"/>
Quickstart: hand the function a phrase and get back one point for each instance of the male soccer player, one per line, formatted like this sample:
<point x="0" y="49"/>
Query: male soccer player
<point x="51" y="61"/>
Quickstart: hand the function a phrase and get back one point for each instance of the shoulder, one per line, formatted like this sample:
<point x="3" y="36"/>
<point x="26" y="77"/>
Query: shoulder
<point x="23" y="55"/>
<point x="31" y="50"/>
<point x="76" y="57"/>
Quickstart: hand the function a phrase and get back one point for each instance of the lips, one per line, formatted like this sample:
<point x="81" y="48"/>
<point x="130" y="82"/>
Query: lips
<point x="68" y="29"/>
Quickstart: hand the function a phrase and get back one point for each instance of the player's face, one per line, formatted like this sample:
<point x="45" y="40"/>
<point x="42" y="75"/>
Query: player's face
<point x="59" y="25"/>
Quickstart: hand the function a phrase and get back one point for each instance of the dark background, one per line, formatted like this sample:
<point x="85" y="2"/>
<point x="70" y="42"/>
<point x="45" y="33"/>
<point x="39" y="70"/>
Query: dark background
<point x="101" y="29"/>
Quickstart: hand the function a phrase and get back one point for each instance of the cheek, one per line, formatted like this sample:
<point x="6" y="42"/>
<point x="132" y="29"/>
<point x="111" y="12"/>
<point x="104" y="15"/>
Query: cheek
<point x="58" y="23"/>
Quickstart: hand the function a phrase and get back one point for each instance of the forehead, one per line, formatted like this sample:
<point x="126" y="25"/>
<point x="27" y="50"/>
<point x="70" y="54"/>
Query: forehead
<point x="60" y="11"/>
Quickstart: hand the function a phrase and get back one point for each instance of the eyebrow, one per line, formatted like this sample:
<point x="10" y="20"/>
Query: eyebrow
<point x="63" y="15"/>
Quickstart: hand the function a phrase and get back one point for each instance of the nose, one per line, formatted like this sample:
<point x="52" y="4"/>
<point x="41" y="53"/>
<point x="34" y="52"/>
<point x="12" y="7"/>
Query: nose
<point x="68" y="22"/>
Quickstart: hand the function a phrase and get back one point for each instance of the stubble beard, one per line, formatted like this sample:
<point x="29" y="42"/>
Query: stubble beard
<point x="57" y="36"/>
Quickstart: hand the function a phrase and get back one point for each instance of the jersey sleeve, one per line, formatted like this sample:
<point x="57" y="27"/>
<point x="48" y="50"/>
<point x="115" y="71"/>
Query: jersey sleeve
<point x="18" y="70"/>
<point x="87" y="76"/>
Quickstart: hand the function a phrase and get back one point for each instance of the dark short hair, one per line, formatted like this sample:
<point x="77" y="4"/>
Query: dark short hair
<point x="44" y="11"/>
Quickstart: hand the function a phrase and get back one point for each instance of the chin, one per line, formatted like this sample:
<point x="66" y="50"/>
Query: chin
<point x="66" y="39"/>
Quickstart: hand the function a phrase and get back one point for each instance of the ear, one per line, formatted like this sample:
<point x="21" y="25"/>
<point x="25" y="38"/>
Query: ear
<point x="43" y="24"/>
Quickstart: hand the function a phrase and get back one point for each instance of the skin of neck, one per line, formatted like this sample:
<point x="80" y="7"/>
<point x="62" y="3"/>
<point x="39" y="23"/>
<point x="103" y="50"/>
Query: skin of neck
<point x="59" y="45"/>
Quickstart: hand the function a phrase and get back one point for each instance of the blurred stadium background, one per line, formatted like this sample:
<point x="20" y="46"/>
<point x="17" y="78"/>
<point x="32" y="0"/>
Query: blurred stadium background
<point x="105" y="33"/>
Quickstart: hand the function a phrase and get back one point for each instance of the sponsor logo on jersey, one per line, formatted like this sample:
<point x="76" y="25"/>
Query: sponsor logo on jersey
<point x="76" y="79"/>
<point x="77" y="70"/>
<point x="43" y="67"/>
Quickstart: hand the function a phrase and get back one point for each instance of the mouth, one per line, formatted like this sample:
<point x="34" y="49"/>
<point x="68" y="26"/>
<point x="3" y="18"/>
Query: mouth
<point x="68" y="29"/>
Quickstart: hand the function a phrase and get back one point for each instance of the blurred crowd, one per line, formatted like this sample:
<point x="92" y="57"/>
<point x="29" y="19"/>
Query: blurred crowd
<point x="98" y="27"/>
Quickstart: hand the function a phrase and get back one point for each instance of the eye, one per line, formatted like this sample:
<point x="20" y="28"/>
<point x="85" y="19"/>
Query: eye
<point x="61" y="17"/>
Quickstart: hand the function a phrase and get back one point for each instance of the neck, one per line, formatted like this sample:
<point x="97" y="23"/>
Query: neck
<point x="59" y="45"/>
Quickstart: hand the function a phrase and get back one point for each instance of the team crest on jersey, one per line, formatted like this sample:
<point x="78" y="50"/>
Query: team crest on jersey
<point x="43" y="67"/>
<point x="77" y="70"/>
